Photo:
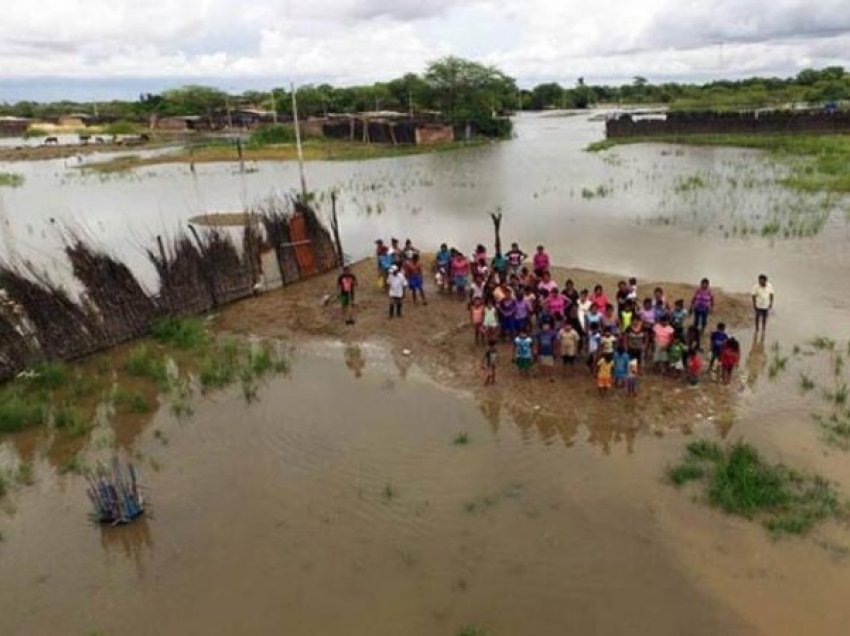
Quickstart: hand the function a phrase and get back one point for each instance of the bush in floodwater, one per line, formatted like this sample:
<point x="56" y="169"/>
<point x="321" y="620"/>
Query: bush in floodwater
<point x="806" y="383"/>
<point x="220" y="367"/>
<point x="461" y="439"/>
<point x="740" y="482"/>
<point x="183" y="333"/>
<point x="18" y="412"/>
<point x="11" y="179"/>
<point x="71" y="420"/>
<point x="131" y="401"/>
<point x="48" y="376"/>
<point x="274" y="134"/>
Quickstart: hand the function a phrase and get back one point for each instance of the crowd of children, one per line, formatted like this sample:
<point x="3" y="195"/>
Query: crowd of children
<point x="518" y="303"/>
<point x="550" y="325"/>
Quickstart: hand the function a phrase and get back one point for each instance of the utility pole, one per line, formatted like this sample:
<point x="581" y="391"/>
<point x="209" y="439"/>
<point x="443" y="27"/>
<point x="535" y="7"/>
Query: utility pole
<point x="274" y="108"/>
<point x="298" y="143"/>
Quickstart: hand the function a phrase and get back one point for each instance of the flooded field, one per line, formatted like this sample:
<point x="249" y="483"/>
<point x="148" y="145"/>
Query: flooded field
<point x="363" y="493"/>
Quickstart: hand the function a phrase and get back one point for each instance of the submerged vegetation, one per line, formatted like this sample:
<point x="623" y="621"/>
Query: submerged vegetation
<point x="11" y="179"/>
<point x="816" y="163"/>
<point x="181" y="353"/>
<point x="739" y="481"/>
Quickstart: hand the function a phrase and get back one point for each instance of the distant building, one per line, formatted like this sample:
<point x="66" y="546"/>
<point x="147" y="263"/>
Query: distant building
<point x="250" y="117"/>
<point x="13" y="126"/>
<point x="388" y="127"/>
<point x="181" y="123"/>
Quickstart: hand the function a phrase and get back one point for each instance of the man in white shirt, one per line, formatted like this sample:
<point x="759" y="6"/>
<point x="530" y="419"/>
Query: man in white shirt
<point x="762" y="301"/>
<point x="396" y="283"/>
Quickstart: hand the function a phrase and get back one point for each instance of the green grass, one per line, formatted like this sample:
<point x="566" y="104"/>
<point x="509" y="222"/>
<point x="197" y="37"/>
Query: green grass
<point x="818" y="163"/>
<point x="49" y="376"/>
<point x="823" y="343"/>
<point x="24" y="475"/>
<point x="806" y="383"/>
<point x="220" y="367"/>
<point x="740" y="482"/>
<point x="182" y="333"/>
<point x="836" y="429"/>
<point x="72" y="421"/>
<point x="472" y="630"/>
<point x="131" y="401"/>
<point x="11" y="179"/>
<point x="18" y="412"/>
<point x="683" y="473"/>
<point x="838" y="396"/>
<point x="461" y="439"/>
<point x="144" y="362"/>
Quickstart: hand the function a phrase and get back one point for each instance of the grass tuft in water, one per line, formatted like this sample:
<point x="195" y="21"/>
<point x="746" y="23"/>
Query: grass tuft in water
<point x="390" y="492"/>
<point x="472" y="630"/>
<point x="461" y="439"/>
<point x="838" y="396"/>
<point x="24" y="474"/>
<point x="143" y="362"/>
<point x="18" y="412"/>
<point x="836" y="429"/>
<point x="823" y="343"/>
<point x="806" y="383"/>
<point x="72" y="421"/>
<point x="182" y="333"/>
<point x="740" y="482"/>
<point x="131" y="401"/>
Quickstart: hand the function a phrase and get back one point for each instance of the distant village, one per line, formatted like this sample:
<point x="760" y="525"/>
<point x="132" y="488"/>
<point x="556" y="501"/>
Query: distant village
<point x="383" y="126"/>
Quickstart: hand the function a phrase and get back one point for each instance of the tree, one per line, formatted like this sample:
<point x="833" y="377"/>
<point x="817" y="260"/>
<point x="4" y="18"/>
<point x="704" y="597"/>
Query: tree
<point x="549" y="95"/>
<point x="193" y="100"/>
<point x="471" y="93"/>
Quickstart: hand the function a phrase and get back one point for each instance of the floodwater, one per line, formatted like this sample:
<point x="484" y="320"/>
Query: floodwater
<point x="338" y="504"/>
<point x="651" y="210"/>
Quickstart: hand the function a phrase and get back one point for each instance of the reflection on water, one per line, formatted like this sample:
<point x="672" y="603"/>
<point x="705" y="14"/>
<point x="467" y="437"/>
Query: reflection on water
<point x="281" y="507"/>
<point x="305" y="510"/>
<point x="132" y="542"/>
<point x="756" y="359"/>
<point x="354" y="359"/>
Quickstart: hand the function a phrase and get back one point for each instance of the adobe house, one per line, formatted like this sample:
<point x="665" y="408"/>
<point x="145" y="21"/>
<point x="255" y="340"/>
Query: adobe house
<point x="13" y="126"/>
<point x="181" y="123"/>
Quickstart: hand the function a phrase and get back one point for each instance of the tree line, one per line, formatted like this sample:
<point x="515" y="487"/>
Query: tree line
<point x="463" y="91"/>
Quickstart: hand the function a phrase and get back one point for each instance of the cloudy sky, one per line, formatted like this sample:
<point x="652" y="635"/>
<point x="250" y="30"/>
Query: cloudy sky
<point x="105" y="48"/>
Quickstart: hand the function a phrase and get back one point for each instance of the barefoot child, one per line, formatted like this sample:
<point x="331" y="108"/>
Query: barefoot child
<point x="604" y="369"/>
<point x="491" y="320"/>
<point x="523" y="354"/>
<point x="632" y="379"/>
<point x="476" y="317"/>
<point x="621" y="365"/>
<point x="568" y="340"/>
<point x="718" y="341"/>
<point x="730" y="356"/>
<point x="346" y="282"/>
<point x="546" y="347"/>
<point x="413" y="272"/>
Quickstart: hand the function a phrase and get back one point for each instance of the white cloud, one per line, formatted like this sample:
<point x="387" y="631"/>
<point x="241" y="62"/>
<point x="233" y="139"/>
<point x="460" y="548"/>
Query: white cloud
<point x="351" y="41"/>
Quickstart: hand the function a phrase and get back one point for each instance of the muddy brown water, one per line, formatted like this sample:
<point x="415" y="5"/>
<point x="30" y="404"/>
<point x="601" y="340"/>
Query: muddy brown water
<point x="274" y="517"/>
<point x="339" y="504"/>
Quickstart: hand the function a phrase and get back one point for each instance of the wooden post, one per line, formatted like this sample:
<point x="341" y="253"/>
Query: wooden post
<point x="335" y="229"/>
<point x="239" y="152"/>
<point x="298" y="144"/>
<point x="497" y="224"/>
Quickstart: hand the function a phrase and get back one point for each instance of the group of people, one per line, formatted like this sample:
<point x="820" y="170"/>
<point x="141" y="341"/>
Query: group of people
<point x="512" y="298"/>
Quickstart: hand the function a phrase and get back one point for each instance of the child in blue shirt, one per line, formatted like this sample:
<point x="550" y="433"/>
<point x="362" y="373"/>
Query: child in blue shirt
<point x="718" y="340"/>
<point x="621" y="365"/>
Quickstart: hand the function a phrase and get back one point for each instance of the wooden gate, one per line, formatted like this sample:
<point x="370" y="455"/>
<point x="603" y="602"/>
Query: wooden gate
<point x="304" y="249"/>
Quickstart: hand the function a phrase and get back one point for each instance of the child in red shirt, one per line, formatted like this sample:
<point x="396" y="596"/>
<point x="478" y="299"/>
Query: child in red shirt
<point x="730" y="356"/>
